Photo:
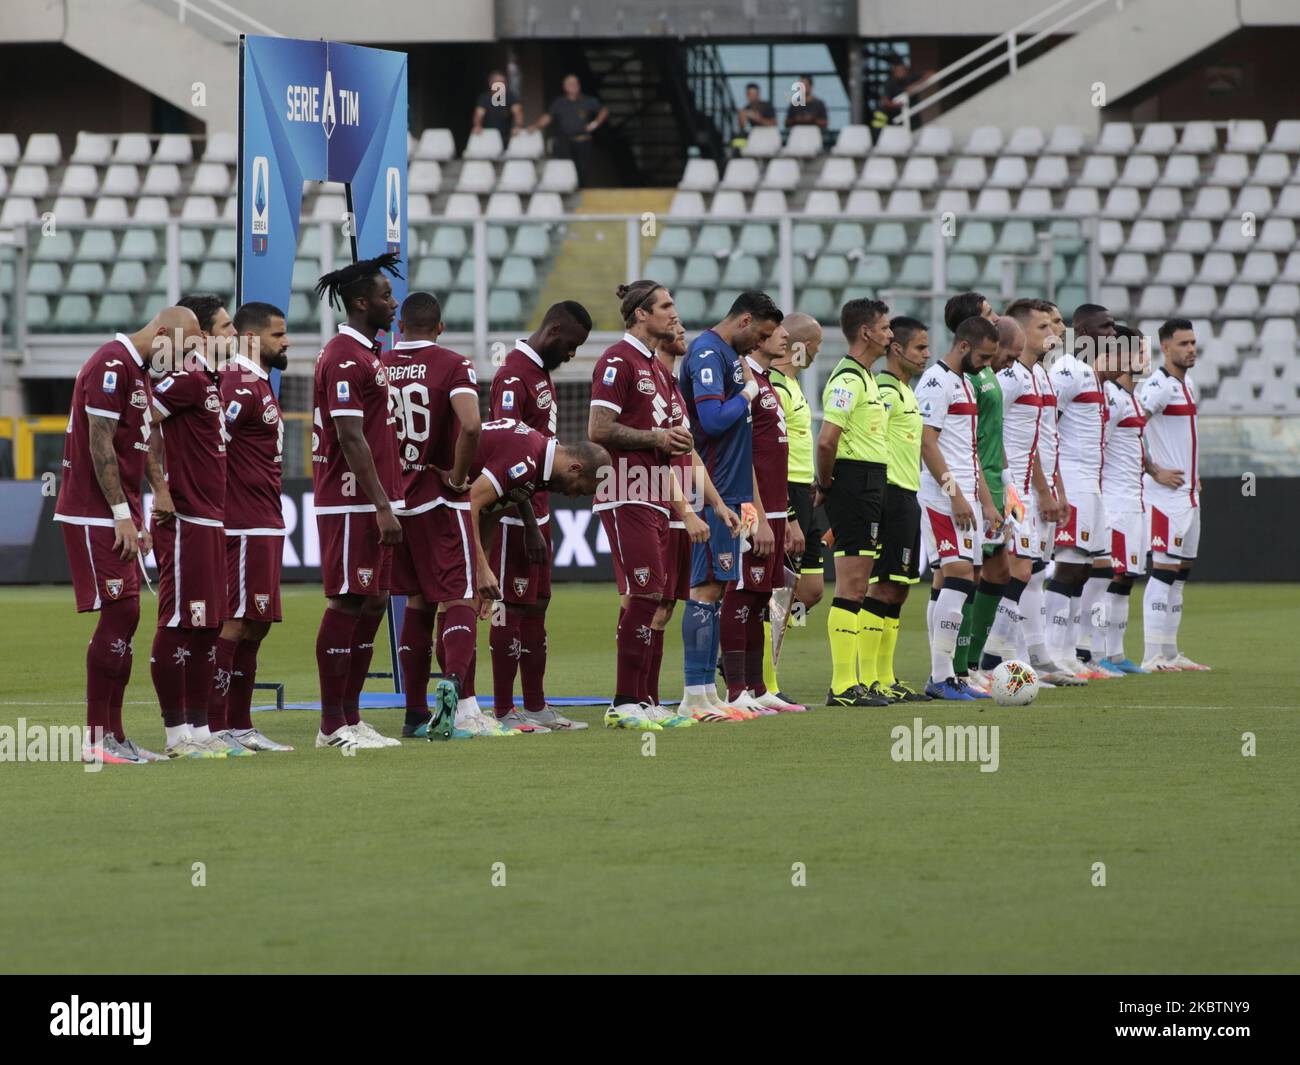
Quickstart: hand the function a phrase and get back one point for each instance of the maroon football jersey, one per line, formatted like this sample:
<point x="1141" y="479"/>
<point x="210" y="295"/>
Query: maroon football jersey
<point x="422" y="378"/>
<point x="254" y="449"/>
<point x="194" y="443"/>
<point x="628" y="380"/>
<point x="351" y="382"/>
<point x="522" y="389"/>
<point x="516" y="458"/>
<point x="112" y="384"/>
<point x="771" y="444"/>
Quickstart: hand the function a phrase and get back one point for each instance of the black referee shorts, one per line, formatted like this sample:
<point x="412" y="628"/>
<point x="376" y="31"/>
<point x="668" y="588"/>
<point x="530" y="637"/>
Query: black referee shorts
<point x="900" y="538"/>
<point x="855" y="506"/>
<point x="812" y="522"/>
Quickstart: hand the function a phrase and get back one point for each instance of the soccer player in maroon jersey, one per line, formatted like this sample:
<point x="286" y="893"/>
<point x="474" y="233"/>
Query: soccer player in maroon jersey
<point x="745" y="600"/>
<point x="106" y="457"/>
<point x="522" y="389"/>
<point x="629" y="416"/>
<point x="696" y="485"/>
<point x="358" y="487"/>
<point x="189" y="545"/>
<point x="433" y="393"/>
<point x="253" y="520"/>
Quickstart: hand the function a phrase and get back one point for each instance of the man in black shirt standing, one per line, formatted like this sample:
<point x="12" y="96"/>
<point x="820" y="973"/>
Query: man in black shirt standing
<point x="806" y="109"/>
<point x="576" y="118"/>
<point x="498" y="108"/>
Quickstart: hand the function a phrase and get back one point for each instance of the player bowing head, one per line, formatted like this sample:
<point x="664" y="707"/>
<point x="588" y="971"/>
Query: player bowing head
<point x="564" y="329"/>
<point x="216" y="324"/>
<point x="967" y="305"/>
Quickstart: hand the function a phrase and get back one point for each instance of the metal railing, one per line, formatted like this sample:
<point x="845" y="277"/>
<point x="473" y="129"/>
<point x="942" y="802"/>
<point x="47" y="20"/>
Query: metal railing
<point x="1006" y="48"/>
<point x="215" y="18"/>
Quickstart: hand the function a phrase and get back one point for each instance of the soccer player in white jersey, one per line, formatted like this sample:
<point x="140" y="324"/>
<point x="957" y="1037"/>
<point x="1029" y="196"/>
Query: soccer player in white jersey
<point x="1122" y="489"/>
<point x="1026" y="419"/>
<point x="952" y="488"/>
<point x="1169" y="398"/>
<point x="1081" y="539"/>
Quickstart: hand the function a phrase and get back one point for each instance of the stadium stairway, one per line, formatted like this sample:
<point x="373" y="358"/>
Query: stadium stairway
<point x="581" y="268"/>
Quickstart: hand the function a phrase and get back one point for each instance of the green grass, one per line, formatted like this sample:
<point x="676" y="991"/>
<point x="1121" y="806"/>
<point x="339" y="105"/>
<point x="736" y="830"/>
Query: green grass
<point x="681" y="861"/>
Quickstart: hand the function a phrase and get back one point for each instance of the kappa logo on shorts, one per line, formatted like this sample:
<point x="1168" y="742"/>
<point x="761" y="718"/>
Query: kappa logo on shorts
<point x="1064" y="536"/>
<point x="521" y="586"/>
<point x="725" y="559"/>
<point x="642" y="575"/>
<point x="646" y="385"/>
<point x="1157" y="541"/>
<point x="199" y="613"/>
<point x="365" y="576"/>
<point x="756" y="573"/>
<point x="946" y="547"/>
<point x="261" y="600"/>
<point x="113" y="587"/>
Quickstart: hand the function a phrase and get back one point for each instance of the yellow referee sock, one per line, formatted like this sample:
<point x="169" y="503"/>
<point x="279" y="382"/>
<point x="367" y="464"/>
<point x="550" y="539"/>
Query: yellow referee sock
<point x="769" y="667"/>
<point x="885" y="656"/>
<point x="871" y="627"/>
<point x="842" y="628"/>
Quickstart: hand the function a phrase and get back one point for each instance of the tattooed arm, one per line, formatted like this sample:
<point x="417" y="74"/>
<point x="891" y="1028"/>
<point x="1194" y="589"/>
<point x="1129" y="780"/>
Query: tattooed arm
<point x="103" y="458"/>
<point x="602" y="429"/>
<point x="163" y="508"/>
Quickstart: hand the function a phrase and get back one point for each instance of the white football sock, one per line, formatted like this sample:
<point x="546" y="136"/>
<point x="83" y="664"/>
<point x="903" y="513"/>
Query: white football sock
<point x="1117" y="605"/>
<point x="1057" y="605"/>
<point x="1155" y="613"/>
<point x="1092" y="608"/>
<point x="177" y="734"/>
<point x="1031" y="607"/>
<point x="1175" y="618"/>
<point x="945" y="624"/>
<point x="200" y="733"/>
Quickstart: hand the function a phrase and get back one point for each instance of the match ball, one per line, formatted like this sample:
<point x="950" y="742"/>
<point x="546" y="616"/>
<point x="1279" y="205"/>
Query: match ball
<point x="1014" y="684"/>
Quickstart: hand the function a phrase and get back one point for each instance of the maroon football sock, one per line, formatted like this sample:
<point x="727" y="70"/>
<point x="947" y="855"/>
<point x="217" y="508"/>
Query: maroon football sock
<point x="653" y="661"/>
<point x="167" y="667"/>
<point x="243" y="674"/>
<point x="734" y="630"/>
<point x="333" y="660"/>
<point x="459" y="635"/>
<point x="754" y="649"/>
<point x="222" y="674"/>
<point x="505" y="643"/>
<point x="108" y="665"/>
<point x="202" y="647"/>
<point x="439" y="652"/>
<point x="633" y="643"/>
<point x="532" y="661"/>
<point x="415" y="654"/>
<point x="467" y="683"/>
<point x="363" y="650"/>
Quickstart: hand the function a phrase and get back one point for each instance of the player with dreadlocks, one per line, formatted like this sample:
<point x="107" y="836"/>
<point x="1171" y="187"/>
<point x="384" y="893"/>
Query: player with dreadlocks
<point x="358" y="484"/>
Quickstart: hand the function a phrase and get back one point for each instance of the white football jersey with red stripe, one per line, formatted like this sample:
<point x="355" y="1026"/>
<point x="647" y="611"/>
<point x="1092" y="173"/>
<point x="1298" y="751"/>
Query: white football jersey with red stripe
<point x="1022" y="416"/>
<point x="1122" y="488"/>
<point x="1048" y="443"/>
<point x="1081" y="423"/>
<point x="1170" y="406"/>
<point x="947" y="403"/>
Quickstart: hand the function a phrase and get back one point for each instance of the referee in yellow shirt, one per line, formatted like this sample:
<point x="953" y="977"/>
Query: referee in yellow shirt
<point x="898" y="567"/>
<point x="851" y="471"/>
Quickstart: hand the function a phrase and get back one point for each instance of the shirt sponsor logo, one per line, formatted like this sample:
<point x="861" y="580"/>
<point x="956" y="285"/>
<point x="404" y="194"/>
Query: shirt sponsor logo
<point x="769" y="401"/>
<point x="270" y="415"/>
<point x="646" y="385"/>
<point x="610" y="373"/>
<point x="213" y="403"/>
<point x="139" y="399"/>
<point x="381" y="378"/>
<point x="544" y="399"/>
<point x="110" y="381"/>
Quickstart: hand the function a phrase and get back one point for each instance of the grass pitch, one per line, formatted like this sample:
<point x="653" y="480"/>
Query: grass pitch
<point x="683" y="860"/>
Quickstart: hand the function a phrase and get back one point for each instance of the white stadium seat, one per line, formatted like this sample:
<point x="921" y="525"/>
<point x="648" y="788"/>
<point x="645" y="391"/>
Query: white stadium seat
<point x="517" y="175"/>
<point x="174" y="148"/>
<point x="742" y="174"/>
<point x="1009" y="172"/>
<point x="485" y="144"/>
<point x="895" y="141"/>
<point x="1194" y="236"/>
<point x="1158" y="138"/>
<point x="132" y="148"/>
<point x="437" y="145"/>
<point x="1230" y="237"/>
<point x="212" y="179"/>
<point x="1099" y="172"/>
<point x="424" y="176"/>
<point x="1081" y="202"/>
<point x="1246" y="135"/>
<point x="836" y="173"/>
<point x="878" y="173"/>
<point x="1280" y="331"/>
<point x="968" y="172"/>
<point x="700" y="175"/>
<point x="1283" y="300"/>
<point x="1288" y="202"/>
<point x="823" y="202"/>
<point x="9" y="150"/>
<point x="762" y="142"/>
<point x="1217" y="268"/>
<point x="1198" y="300"/>
<point x="904" y="201"/>
<point x="1030" y="201"/>
<point x="1290" y="269"/>
<point x="932" y="140"/>
<point x="782" y="174"/>
<point x="1258" y="268"/>
<point x="1110" y="236"/>
<point x="853" y="141"/>
<point x="162" y="179"/>
<point x="984" y="141"/>
<point x="79" y="179"/>
<point x="1050" y="172"/>
<point x="919" y="172"/>
<point x="120" y="180"/>
<point x="1140" y="171"/>
<point x="93" y="149"/>
<point x="559" y="175"/>
<point x="545" y="204"/>
<point x="1065" y="140"/>
<point x="69" y="209"/>
<point x="993" y="201"/>
<point x="1116" y="139"/>
<point x="1286" y="137"/>
<point x="1181" y="171"/>
<point x="1254" y="199"/>
<point x="862" y="203"/>
<point x="1199" y="138"/>
<point x="526" y="144"/>
<point x="1026" y="140"/>
<point x="328" y="207"/>
<point x="729" y="202"/>
<point x="477" y="176"/>
<point x="686" y="202"/>
<point x="504" y="205"/>
<point x="418" y="207"/>
<point x="803" y="142"/>
<point x="1157" y="301"/>
<point x="462" y="205"/>
<point x="1277" y="234"/>
<point x="43" y="149"/>
<point x="1164" y="203"/>
<point x="1176" y="268"/>
<point x="30" y="180"/>
<point x="17" y="210"/>
<point x="1231" y="170"/>
<point x="1129" y="268"/>
<point x="1147" y="235"/>
<point x="770" y="203"/>
<point x="221" y="147"/>
<point x="1272" y="170"/>
<point x="1211" y="202"/>
<point x="110" y="209"/>
<point x="1122" y="203"/>
<point x="151" y="209"/>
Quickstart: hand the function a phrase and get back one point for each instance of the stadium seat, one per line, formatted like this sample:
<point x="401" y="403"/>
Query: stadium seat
<point x="853" y="141"/>
<point x="162" y="179"/>
<point x="1116" y="139"/>
<point x="1176" y="268"/>
<point x="1116" y="298"/>
<point x="847" y="238"/>
<point x="700" y="175"/>
<point x="483" y="145"/>
<point x="701" y="273"/>
<point x="888" y="238"/>
<point x="1123" y="203"/>
<point x="1099" y="172"/>
<point x="1199" y="138"/>
<point x="436" y="145"/>
<point x="526" y="144"/>
<point x="762" y="142"/>
<point x="1282" y="300"/>
<point x="1291" y="269"/>
<point x="458" y="205"/>
<point x="819" y="303"/>
<point x="1051" y="172"/>
<point x="477" y="176"/>
<point x="1235" y="396"/>
<point x="517" y="175"/>
<point x="230" y="210"/>
<point x="17" y="210"/>
<point x="418" y="207"/>
<point x="836" y="173"/>
<point x="963" y="271"/>
<point x="30" y="180"/>
<point x="1286" y="137"/>
<point x="1140" y="171"/>
<point x="1018" y="237"/>
<point x="1277" y="234"/>
<point x="742" y="272"/>
<point x="917" y="271"/>
<point x="686" y="203"/>
<point x="1194" y="235"/>
<point x="1081" y="202"/>
<point x="44" y="278"/>
<point x="43" y="149"/>
<point x="728" y="202"/>
<point x="784" y="173"/>
<point x="464" y="280"/>
<point x="517" y="274"/>
<point x="879" y="173"/>
<point x="1238" y="332"/>
<point x="1027" y="141"/>
<point x="690" y="308"/>
<point x="221" y="147"/>
<point x="1030" y="201"/>
<point x="1110" y="236"/>
<point x="662" y="269"/>
<point x="1146" y="235"/>
<point x="768" y="203"/>
<point x="115" y="312"/>
<point x="72" y="314"/>
<point x="1181" y="172"/>
<point x="424" y="175"/>
<point x="69" y="209"/>
<point x="1164" y="203"/>
<point x="974" y="237"/>
<point x="1231" y="170"/>
<point x="97" y="246"/>
<point x="120" y="180"/>
<point x="714" y="240"/>
<point x="1246" y="135"/>
<point x="92" y="149"/>
<point x="871" y="272"/>
<point x="985" y="141"/>
<point x="862" y="203"/>
<point x="151" y="209"/>
<point x="1066" y="141"/>
<point x="807" y="238"/>
<point x="451" y="242"/>
<point x="955" y="201"/>
<point x="88" y="278"/>
<point x="803" y="142"/>
<point x="904" y="201"/>
<point x="531" y="241"/>
<point x="993" y="201"/>
<point x="1129" y="268"/>
<point x="1009" y="172"/>
<point x="931" y="140"/>
<point x="759" y="240"/>
<point x="559" y="176"/>
<point x="1157" y="301"/>
<point x="968" y="172"/>
<point x="56" y="247"/>
<point x="79" y="179"/>
<point x="212" y="179"/>
<point x="1258" y="268"/>
<point x="133" y="149"/>
<point x="822" y="201"/>
<point x="896" y="142"/>
<point x="1158" y="138"/>
<point x="174" y="148"/>
<point x="1253" y="199"/>
<point x="109" y="209"/>
<point x="218" y="277"/>
<point x="1211" y="202"/>
<point x="545" y="205"/>
<point x="1198" y="301"/>
<point x="742" y="175"/>
<point x="9" y="150"/>
<point x="305" y="274"/>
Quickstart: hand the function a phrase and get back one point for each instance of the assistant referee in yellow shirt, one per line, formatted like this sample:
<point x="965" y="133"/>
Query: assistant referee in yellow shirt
<point x="851" y="462"/>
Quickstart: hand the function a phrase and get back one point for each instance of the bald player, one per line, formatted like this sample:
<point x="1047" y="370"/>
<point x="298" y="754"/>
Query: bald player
<point x="106" y="456"/>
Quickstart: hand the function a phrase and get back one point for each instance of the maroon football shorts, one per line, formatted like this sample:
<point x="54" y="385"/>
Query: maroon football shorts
<point x="436" y="556"/>
<point x="352" y="560"/>
<point x="253" y="577"/>
<point x="677" y="565"/>
<point x="522" y="582"/>
<point x="191" y="560"/>
<point x="638" y="537"/>
<point x="98" y="575"/>
<point x="764" y="574"/>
